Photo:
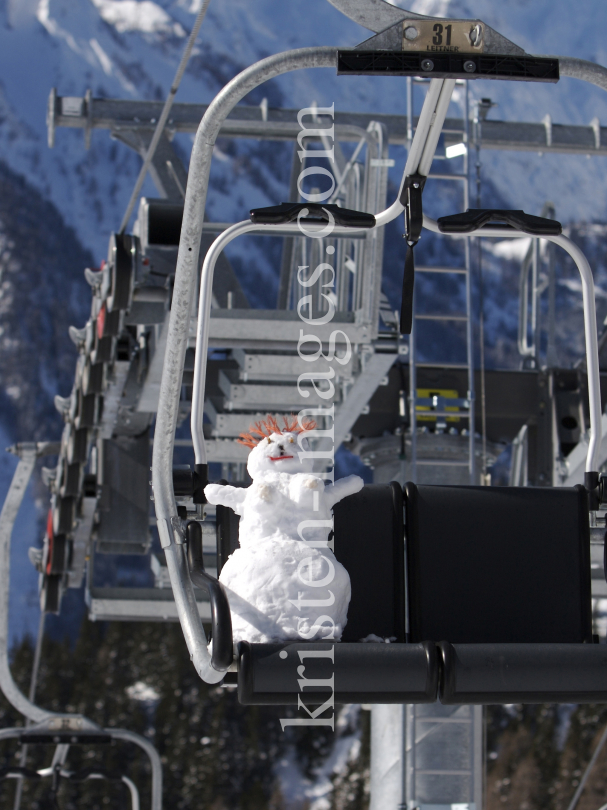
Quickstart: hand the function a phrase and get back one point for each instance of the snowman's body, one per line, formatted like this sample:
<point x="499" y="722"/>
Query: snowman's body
<point x="284" y="581"/>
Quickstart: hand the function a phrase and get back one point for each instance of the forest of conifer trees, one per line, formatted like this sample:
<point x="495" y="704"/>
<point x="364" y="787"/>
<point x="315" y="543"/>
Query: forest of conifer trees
<point x="218" y="755"/>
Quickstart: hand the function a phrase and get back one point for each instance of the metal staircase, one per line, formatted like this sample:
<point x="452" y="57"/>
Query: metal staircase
<point x="265" y="365"/>
<point x="444" y="746"/>
<point x="100" y="489"/>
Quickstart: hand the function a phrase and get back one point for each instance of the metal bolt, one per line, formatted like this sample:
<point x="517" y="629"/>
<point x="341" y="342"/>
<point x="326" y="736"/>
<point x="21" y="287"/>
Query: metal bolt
<point x="411" y="32"/>
<point x="469" y="66"/>
<point x="476" y="34"/>
<point x="428" y="64"/>
<point x="415" y="185"/>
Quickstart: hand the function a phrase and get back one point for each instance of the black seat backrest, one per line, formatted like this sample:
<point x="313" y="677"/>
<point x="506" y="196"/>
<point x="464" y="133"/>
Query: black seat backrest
<point x="369" y="543"/>
<point x="368" y="535"/>
<point x="498" y="564"/>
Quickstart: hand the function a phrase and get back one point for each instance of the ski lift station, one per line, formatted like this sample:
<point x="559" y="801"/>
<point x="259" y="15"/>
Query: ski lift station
<point x="219" y="442"/>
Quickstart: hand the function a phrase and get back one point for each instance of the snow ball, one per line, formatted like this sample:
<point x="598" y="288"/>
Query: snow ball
<point x="138" y="15"/>
<point x="143" y="692"/>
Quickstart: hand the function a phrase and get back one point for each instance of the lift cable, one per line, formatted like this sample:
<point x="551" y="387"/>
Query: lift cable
<point x="164" y="115"/>
<point x="590" y="766"/>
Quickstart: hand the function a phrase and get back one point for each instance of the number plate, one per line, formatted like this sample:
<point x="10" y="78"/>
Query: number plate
<point x="444" y="36"/>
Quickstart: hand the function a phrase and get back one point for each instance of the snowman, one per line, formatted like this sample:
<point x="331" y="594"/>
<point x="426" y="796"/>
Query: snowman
<point x="284" y="582"/>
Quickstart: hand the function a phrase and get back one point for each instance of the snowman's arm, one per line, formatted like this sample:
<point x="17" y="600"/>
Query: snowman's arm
<point x="342" y="488"/>
<point x="220" y="494"/>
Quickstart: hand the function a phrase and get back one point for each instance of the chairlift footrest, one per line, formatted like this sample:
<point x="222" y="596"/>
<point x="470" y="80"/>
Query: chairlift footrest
<point x="475" y="218"/>
<point x="523" y="673"/>
<point x="360" y="672"/>
<point x="315" y="212"/>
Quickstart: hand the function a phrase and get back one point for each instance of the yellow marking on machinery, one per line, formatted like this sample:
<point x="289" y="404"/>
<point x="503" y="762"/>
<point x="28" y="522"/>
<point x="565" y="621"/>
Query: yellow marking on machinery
<point x="427" y="393"/>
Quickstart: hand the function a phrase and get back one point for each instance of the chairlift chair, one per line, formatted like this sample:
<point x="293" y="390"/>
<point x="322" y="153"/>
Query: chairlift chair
<point x="473" y="624"/>
<point x="497" y="601"/>
<point x="57" y="769"/>
<point x="471" y="617"/>
<point x="48" y="727"/>
<point x="496" y="607"/>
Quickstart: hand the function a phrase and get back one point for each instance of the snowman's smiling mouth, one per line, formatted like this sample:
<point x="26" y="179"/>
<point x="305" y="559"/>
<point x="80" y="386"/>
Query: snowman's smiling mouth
<point x="279" y="458"/>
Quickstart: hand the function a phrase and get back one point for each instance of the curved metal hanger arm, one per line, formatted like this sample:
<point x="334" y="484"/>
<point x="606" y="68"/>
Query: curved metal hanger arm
<point x="169" y="525"/>
<point x="375" y="15"/>
<point x="50" y="722"/>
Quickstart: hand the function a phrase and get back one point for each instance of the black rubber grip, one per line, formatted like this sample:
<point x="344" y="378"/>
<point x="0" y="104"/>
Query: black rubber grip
<point x="406" y="307"/>
<point x="475" y="218"/>
<point x="221" y="619"/>
<point x="314" y="212"/>
<point x="191" y="483"/>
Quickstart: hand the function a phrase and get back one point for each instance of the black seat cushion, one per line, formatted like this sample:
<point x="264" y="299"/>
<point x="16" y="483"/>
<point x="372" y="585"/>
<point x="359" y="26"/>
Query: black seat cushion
<point x="498" y="564"/>
<point x="523" y="673"/>
<point x="369" y="543"/>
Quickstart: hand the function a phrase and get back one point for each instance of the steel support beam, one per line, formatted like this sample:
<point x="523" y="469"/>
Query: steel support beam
<point x="281" y="124"/>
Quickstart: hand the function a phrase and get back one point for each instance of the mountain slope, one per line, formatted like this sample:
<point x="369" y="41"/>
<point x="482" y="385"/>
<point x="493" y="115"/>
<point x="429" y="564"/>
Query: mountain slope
<point x="130" y="49"/>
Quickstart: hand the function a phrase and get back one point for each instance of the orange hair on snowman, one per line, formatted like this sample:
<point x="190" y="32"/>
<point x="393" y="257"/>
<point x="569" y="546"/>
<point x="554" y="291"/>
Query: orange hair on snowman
<point x="266" y="427"/>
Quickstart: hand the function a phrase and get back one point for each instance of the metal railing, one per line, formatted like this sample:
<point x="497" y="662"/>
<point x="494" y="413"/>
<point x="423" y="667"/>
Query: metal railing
<point x="590" y="323"/>
<point x="531" y="286"/>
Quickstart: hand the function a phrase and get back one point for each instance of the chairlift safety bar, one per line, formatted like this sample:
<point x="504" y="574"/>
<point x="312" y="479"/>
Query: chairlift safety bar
<point x="21" y="773"/>
<point x="590" y="323"/>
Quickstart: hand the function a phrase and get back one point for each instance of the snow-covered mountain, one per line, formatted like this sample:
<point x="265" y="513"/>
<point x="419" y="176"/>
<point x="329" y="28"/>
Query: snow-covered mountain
<point x="130" y="49"/>
<point x="58" y="207"/>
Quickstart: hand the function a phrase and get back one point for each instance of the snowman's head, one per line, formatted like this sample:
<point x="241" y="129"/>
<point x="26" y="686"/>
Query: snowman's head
<point x="275" y="449"/>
